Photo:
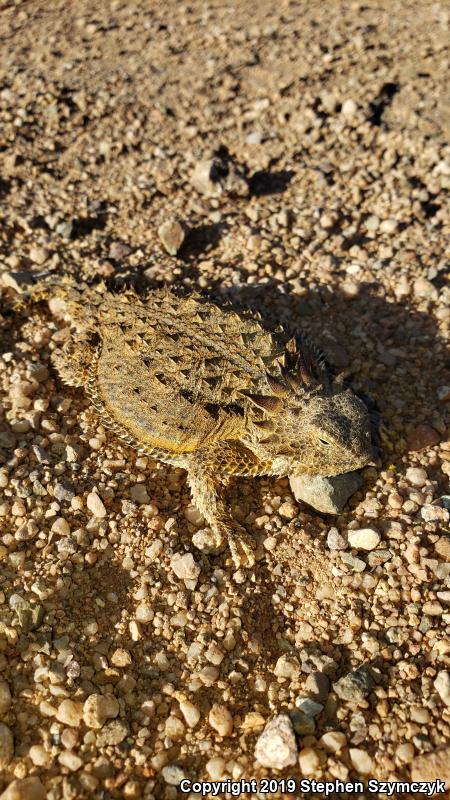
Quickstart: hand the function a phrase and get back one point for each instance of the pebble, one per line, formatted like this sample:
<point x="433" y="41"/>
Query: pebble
<point x="118" y="251"/>
<point x="39" y="755"/>
<point x="442" y="686"/>
<point x="26" y="789"/>
<point x="121" y="657"/>
<point x="61" y="527"/>
<point x="174" y="728"/>
<point x="98" y="708"/>
<point x="388" y="226"/>
<point x="348" y="107"/>
<point x="70" y="760"/>
<point x="364" y="538"/>
<point x="173" y="775"/>
<point x="205" y="180"/>
<point x="95" y="505"/>
<point x="29" y="615"/>
<point x="38" y="255"/>
<point x="215" y="768"/>
<point x="361" y="760"/>
<point x="302" y="723"/>
<point x="171" y="234"/>
<point x="356" y="564"/>
<point x="405" y="752"/>
<point x="276" y="747"/>
<point x="333" y="741"/>
<point x="318" y="685"/>
<point x="255" y="137"/>
<point x="6" y="745"/>
<point x="221" y="720"/>
<point x="421" y="437"/>
<point x="327" y="495"/>
<point x="431" y="513"/>
<point x="309" y="761"/>
<point x="416" y="476"/>
<point x="206" y="541"/>
<point x="113" y="732"/>
<point x="355" y="686"/>
<point x="190" y="713"/>
<point x="287" y="667"/>
<point x="442" y="547"/>
<point x="64" y="491"/>
<point x="377" y="557"/>
<point x="309" y="707"/>
<point x="185" y="567"/>
<point x="5" y="697"/>
<point x="443" y="393"/>
<point x="336" y="540"/>
<point x="431" y="766"/>
<point x="70" y="713"/>
<point x="193" y="515"/>
<point x="139" y="493"/>
<point x="144" y="613"/>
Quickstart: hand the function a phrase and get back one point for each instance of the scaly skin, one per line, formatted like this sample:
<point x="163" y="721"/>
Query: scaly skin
<point x="208" y="390"/>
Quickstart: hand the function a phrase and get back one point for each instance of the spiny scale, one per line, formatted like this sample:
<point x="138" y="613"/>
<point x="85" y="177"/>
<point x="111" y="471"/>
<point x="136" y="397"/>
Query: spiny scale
<point x="206" y="389"/>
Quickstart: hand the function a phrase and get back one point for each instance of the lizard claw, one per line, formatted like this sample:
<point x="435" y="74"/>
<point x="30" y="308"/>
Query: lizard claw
<point x="241" y="548"/>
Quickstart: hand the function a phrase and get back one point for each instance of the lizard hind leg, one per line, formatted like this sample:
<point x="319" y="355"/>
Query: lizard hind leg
<point x="207" y="495"/>
<point x="74" y="361"/>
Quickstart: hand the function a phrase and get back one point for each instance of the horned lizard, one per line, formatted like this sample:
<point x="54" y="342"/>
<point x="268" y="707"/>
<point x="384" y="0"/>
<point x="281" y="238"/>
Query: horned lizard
<point x="208" y="390"/>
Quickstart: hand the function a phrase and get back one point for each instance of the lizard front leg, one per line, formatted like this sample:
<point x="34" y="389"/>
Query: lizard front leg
<point x="204" y="470"/>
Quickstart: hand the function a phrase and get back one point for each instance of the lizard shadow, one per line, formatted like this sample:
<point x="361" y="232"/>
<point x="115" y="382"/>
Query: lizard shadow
<point x="390" y="351"/>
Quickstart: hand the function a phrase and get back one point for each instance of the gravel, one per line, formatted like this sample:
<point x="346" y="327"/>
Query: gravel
<point x="276" y="747"/>
<point x="306" y="156"/>
<point x="364" y="539"/>
<point x="328" y="495"/>
<point x="355" y="686"/>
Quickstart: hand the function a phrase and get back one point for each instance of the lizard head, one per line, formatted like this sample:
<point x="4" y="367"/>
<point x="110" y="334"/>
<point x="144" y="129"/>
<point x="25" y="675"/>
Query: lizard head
<point x="313" y="424"/>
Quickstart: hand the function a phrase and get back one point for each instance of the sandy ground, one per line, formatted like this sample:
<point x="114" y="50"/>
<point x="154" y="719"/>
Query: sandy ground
<point x="119" y="678"/>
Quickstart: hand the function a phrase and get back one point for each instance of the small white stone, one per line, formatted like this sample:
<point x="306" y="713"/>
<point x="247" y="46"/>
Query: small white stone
<point x="38" y="255"/>
<point x="61" y="526"/>
<point x="333" y="741"/>
<point x="442" y="686"/>
<point x="221" y="720"/>
<point x="95" y="505"/>
<point x="416" y="476"/>
<point x="39" y="755"/>
<point x="215" y="768"/>
<point x="364" y="539"/>
<point x="349" y="107"/>
<point x="70" y="713"/>
<point x="154" y="550"/>
<point x="192" y="514"/>
<point x="361" y="760"/>
<point x="388" y="226"/>
<point x="98" y="708"/>
<point x="70" y="760"/>
<point x="174" y="728"/>
<point x="171" y="234"/>
<point x="287" y="667"/>
<point x="276" y="747"/>
<point x="185" y="567"/>
<point x="121" y="658"/>
<point x="190" y="713"/>
<point x="309" y="761"/>
<point x="26" y="789"/>
<point x="144" y="613"/>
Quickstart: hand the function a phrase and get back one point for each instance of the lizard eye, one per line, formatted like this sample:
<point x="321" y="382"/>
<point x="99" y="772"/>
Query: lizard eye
<point x="324" y="441"/>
